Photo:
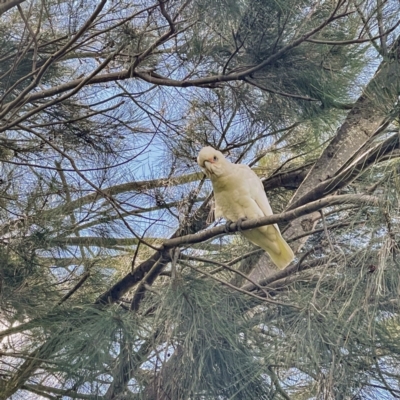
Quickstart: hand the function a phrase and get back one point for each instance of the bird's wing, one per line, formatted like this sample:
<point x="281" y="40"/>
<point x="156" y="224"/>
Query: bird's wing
<point x="217" y="211"/>
<point x="256" y="189"/>
<point x="267" y="237"/>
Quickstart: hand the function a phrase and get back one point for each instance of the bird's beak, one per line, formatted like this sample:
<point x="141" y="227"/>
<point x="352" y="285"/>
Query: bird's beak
<point x="207" y="167"/>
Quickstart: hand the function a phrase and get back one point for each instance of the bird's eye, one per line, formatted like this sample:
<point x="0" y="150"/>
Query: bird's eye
<point x="215" y="158"/>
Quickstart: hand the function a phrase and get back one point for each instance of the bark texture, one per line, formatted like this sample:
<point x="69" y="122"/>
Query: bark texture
<point x="368" y="117"/>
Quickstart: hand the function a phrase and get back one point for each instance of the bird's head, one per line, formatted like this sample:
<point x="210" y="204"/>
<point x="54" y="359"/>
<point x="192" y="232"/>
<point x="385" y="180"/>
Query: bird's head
<point x="211" y="161"/>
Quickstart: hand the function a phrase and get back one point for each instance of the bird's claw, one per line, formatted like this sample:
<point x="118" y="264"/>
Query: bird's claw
<point x="239" y="223"/>
<point x="227" y="224"/>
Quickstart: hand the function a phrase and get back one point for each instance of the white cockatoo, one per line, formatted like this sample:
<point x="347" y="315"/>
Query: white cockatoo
<point x="239" y="194"/>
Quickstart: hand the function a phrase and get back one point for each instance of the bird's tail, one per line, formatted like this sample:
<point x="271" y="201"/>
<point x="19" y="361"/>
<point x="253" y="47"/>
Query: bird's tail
<point x="285" y="256"/>
<point x="269" y="238"/>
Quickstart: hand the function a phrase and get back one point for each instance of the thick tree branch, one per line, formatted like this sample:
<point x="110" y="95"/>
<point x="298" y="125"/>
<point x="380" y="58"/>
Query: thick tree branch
<point x="6" y="5"/>
<point x="354" y="170"/>
<point x="273" y="219"/>
<point x="154" y="78"/>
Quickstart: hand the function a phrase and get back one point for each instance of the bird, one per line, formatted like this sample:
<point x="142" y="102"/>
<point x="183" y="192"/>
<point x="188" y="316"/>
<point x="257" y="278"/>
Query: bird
<point x="239" y="194"/>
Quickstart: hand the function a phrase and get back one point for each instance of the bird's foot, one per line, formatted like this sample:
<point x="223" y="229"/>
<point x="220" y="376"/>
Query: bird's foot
<point x="239" y="223"/>
<point x="227" y="224"/>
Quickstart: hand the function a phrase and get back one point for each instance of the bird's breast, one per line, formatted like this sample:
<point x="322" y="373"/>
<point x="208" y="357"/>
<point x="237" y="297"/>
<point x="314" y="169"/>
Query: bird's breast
<point x="232" y="197"/>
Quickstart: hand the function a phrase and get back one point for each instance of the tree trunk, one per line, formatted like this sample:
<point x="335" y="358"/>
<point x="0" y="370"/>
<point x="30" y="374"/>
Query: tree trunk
<point x="370" y="113"/>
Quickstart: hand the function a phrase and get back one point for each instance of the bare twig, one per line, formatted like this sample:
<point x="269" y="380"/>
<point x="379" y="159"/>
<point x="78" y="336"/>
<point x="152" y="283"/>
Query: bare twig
<point x="75" y="288"/>
<point x="263" y="299"/>
<point x="326" y="231"/>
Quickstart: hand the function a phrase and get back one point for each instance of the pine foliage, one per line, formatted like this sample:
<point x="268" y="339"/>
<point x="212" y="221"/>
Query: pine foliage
<point x="116" y="282"/>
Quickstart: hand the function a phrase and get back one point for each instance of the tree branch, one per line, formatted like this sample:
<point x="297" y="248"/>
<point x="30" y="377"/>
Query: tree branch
<point x="131" y="279"/>
<point x="350" y="173"/>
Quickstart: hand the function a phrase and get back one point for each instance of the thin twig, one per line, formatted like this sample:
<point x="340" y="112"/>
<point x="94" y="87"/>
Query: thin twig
<point x="264" y="299"/>
<point x="75" y="288"/>
<point x="224" y="266"/>
<point x="326" y="231"/>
